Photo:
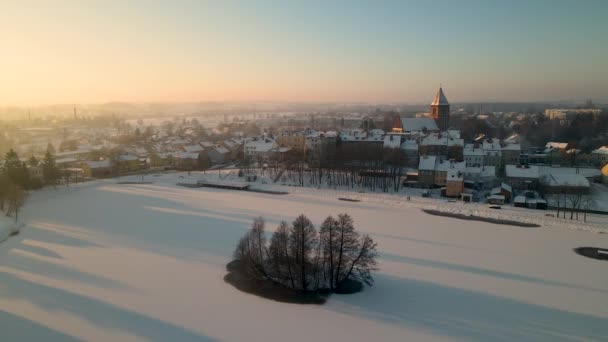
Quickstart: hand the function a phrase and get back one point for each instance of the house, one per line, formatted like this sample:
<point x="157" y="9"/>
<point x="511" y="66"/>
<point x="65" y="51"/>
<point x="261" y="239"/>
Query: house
<point x="426" y="170"/>
<point x="522" y="177"/>
<point x="600" y="156"/>
<point x="97" y="169"/>
<point x="218" y="155"/>
<point x="492" y="152"/>
<point x="454" y="183"/>
<point x="511" y="153"/>
<point x="443" y="167"/>
<point x="504" y="190"/>
<point x="128" y="163"/>
<point x="161" y="159"/>
<point x="442" y="144"/>
<point x="531" y="200"/>
<point x="321" y="146"/>
<point x="473" y="155"/>
<point x="194" y="148"/>
<point x="185" y="160"/>
<point x="259" y="149"/>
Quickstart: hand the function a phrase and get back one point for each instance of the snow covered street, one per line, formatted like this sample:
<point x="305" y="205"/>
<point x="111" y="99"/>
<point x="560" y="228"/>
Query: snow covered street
<point x="103" y="261"/>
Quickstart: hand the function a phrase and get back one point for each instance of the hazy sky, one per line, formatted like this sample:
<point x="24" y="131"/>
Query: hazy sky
<point x="309" y="51"/>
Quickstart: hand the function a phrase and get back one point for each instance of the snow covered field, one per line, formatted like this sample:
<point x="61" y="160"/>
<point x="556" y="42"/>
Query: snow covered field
<point x="110" y="262"/>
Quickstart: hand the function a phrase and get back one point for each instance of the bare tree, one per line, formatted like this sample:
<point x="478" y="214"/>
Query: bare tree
<point x="302" y="241"/>
<point x="16" y="197"/>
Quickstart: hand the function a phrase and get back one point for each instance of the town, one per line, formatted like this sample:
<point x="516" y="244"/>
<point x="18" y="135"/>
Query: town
<point x="466" y="155"/>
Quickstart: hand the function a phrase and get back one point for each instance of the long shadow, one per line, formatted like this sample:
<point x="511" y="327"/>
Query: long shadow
<point x="16" y="328"/>
<point x="59" y="272"/>
<point x="99" y="313"/>
<point x="484" y="272"/>
<point x="41" y="251"/>
<point x="466" y="314"/>
<point x="433" y="243"/>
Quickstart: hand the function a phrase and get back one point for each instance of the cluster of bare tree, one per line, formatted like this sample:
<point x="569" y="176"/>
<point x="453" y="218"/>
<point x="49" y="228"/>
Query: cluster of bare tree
<point x="573" y="204"/>
<point x="299" y="257"/>
<point x="370" y="175"/>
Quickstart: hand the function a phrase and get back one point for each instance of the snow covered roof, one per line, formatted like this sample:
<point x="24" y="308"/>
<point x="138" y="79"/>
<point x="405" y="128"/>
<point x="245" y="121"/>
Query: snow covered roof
<point x="392" y="141"/>
<point x="512" y="147"/>
<point x="601" y="150"/>
<point x="491" y="145"/>
<point x="206" y="144"/>
<point x="221" y="150"/>
<point x="187" y="155"/>
<point x="427" y="163"/>
<point x="409" y="144"/>
<point x="522" y="171"/>
<point x="485" y="171"/>
<point x="435" y="139"/>
<point x="574" y="180"/>
<point x="470" y="150"/>
<point x="65" y="160"/>
<point x="98" y="164"/>
<point x="440" y="99"/>
<point x="418" y="124"/>
<point x="454" y="175"/>
<point x="261" y="145"/>
<point x="193" y="148"/>
<point x="128" y="157"/>
<point x="555" y="145"/>
<point x="446" y="165"/>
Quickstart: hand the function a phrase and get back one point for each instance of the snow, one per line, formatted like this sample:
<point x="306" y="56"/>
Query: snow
<point x="7" y="227"/>
<point x="130" y="262"/>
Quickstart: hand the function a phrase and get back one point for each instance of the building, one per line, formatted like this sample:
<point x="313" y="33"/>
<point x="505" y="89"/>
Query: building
<point x="294" y="140"/>
<point x="511" y="153"/>
<point x="454" y="183"/>
<point x="414" y="126"/>
<point x="522" y="177"/>
<point x="442" y="169"/>
<point x="600" y="156"/>
<point x="442" y="144"/>
<point x="97" y="169"/>
<point x="504" y="192"/>
<point x="440" y="110"/>
<point x="219" y="155"/>
<point x="426" y="170"/>
<point x="571" y="184"/>
<point x="473" y="155"/>
<point x="259" y="149"/>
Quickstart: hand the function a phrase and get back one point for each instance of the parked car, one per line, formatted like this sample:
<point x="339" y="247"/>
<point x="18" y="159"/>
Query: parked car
<point x="494" y="207"/>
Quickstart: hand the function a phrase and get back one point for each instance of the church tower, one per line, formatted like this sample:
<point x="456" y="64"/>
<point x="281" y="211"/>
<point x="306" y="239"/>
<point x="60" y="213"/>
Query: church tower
<point x="440" y="110"/>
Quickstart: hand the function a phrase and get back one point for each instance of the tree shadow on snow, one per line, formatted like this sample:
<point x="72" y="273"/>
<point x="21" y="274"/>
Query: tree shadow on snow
<point x="16" y="328"/>
<point x="466" y="314"/>
<point x="98" y="313"/>
<point x="484" y="272"/>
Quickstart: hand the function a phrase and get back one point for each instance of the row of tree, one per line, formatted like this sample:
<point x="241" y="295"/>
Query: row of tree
<point x="300" y="257"/>
<point x="15" y="180"/>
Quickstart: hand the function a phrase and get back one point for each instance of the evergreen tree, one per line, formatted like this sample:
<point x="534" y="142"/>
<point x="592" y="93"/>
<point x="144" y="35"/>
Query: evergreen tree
<point x="50" y="171"/>
<point x="33" y="161"/>
<point x="15" y="169"/>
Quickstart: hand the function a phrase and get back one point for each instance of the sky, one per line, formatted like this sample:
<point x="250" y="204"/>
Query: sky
<point x="54" y="51"/>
